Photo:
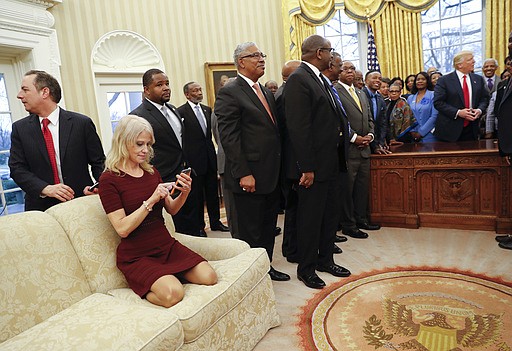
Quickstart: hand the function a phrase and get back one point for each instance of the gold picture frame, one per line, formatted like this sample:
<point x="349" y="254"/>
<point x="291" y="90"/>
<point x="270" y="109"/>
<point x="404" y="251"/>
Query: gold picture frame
<point x="215" y="73"/>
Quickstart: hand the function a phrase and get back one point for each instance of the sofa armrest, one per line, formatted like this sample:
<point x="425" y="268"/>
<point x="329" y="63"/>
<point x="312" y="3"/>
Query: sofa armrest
<point x="213" y="249"/>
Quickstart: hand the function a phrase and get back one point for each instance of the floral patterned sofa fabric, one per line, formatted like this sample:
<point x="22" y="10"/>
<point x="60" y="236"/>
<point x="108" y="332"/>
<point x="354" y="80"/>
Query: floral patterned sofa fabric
<point x="94" y="240"/>
<point x="40" y="274"/>
<point x="101" y="322"/>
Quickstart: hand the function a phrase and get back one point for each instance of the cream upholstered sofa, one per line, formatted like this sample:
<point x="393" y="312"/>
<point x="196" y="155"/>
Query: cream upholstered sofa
<point x="60" y="289"/>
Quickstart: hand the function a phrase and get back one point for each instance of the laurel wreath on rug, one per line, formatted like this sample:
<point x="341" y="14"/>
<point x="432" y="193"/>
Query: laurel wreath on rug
<point x="374" y="332"/>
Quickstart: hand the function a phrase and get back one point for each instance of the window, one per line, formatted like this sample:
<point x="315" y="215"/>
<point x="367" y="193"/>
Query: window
<point x="11" y="196"/>
<point x="449" y="27"/>
<point x="121" y="103"/>
<point x="345" y="34"/>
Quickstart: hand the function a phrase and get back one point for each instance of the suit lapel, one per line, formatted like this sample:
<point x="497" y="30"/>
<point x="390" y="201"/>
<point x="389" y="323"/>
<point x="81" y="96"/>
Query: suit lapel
<point x="248" y="90"/>
<point x="475" y="90"/>
<point x="349" y="98"/>
<point x="455" y="82"/>
<point x="35" y="130"/>
<point x="65" y="126"/>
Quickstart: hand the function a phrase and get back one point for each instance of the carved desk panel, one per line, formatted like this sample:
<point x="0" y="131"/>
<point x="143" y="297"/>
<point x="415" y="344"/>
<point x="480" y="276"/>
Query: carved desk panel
<point x="461" y="185"/>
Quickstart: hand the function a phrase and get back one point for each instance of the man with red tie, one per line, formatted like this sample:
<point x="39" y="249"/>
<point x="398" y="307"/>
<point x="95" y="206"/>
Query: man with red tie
<point x="460" y="97"/>
<point x="52" y="149"/>
<point x="249" y="134"/>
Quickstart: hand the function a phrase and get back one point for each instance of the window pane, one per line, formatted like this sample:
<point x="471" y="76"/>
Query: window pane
<point x="4" y="102"/>
<point x="450" y="32"/>
<point x="431" y="35"/>
<point x="431" y="14"/>
<point x="468" y="6"/>
<point x="433" y="58"/>
<point x="121" y="103"/>
<point x="472" y="28"/>
<point x="449" y="8"/>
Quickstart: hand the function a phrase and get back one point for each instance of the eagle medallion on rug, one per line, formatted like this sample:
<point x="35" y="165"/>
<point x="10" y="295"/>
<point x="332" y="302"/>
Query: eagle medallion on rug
<point x="417" y="308"/>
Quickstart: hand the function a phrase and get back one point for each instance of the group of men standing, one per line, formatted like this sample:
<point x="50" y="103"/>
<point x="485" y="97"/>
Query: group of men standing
<point x="313" y="144"/>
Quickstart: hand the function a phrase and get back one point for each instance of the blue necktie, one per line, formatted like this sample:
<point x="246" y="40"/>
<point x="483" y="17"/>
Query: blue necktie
<point x="337" y="96"/>
<point x="374" y="103"/>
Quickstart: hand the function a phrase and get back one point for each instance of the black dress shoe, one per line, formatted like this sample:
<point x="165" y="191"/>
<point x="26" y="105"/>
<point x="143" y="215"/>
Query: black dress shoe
<point x="334" y="269"/>
<point x="278" y="276"/>
<point x="355" y="233"/>
<point x="368" y="226"/>
<point x="202" y="233"/>
<point x="506" y="245"/>
<point x="504" y="238"/>
<point x="336" y="249"/>
<point x="340" y="238"/>
<point x="220" y="227"/>
<point x="312" y="281"/>
<point x="277" y="231"/>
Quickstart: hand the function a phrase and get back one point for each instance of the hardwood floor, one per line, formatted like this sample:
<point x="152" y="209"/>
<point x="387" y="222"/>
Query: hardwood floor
<point x="476" y="251"/>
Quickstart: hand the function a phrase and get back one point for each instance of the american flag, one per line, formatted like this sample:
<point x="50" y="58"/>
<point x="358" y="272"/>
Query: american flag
<point x="373" y="61"/>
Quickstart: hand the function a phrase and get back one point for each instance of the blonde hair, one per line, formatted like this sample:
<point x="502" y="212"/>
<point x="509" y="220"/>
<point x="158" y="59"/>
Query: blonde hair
<point x="460" y="56"/>
<point x="126" y="133"/>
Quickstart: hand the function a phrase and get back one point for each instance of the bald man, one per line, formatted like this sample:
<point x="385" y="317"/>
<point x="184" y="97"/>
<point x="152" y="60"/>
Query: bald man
<point x="288" y="68"/>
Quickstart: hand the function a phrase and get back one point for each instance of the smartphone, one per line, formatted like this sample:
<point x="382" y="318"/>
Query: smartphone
<point x="94" y="186"/>
<point x="174" y="191"/>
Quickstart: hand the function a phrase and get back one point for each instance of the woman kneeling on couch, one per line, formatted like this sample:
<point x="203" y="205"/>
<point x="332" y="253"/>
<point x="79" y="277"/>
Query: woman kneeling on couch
<point x="133" y="194"/>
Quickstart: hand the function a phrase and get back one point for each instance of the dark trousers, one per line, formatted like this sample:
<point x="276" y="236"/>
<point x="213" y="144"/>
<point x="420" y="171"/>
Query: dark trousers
<point x="257" y="217"/>
<point x="468" y="133"/>
<point x="206" y="187"/>
<point x="317" y="217"/>
<point x="229" y="205"/>
<point x="354" y="197"/>
<point x="289" y="247"/>
<point x="185" y="221"/>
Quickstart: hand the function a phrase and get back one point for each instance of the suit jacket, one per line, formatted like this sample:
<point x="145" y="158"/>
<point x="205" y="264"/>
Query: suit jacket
<point x="316" y="126"/>
<point x="200" y="152"/>
<point x="169" y="157"/>
<point x="505" y="121"/>
<point x="361" y="122"/>
<point x="497" y="81"/>
<point x="380" y="120"/>
<point x="250" y="139"/>
<point x="221" y="156"/>
<point x="79" y="147"/>
<point x="449" y="98"/>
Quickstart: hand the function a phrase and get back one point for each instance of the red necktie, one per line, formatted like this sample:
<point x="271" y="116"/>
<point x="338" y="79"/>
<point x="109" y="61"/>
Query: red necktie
<point x="51" y="150"/>
<point x="465" y="91"/>
<point x="263" y="101"/>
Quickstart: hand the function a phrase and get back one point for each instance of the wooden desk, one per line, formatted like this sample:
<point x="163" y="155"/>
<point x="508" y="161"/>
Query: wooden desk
<point x="463" y="185"/>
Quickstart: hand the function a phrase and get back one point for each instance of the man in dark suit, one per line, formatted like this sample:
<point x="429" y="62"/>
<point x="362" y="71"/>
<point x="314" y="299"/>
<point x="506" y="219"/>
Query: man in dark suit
<point x="315" y="125"/>
<point x="197" y="141"/>
<point x="56" y="169"/>
<point x="356" y="181"/>
<point x="168" y="128"/>
<point x="460" y="97"/>
<point x="249" y="133"/>
<point x="504" y="132"/>
<point x="373" y="81"/>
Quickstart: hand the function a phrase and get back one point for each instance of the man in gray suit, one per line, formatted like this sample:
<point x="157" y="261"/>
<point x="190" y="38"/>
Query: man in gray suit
<point x="356" y="181"/>
<point x="489" y="71"/>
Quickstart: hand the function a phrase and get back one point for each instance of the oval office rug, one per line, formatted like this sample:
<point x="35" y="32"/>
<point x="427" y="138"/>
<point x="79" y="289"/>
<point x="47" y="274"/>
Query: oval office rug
<point x="415" y="308"/>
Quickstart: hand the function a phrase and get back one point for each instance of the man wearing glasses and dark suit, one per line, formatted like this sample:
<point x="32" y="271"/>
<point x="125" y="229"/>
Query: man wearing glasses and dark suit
<point x="249" y="133"/>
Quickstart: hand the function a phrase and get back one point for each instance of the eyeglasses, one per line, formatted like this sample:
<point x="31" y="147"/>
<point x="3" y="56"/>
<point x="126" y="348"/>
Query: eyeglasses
<point x="326" y="49"/>
<point x="394" y="91"/>
<point x="257" y="55"/>
<point x="352" y="68"/>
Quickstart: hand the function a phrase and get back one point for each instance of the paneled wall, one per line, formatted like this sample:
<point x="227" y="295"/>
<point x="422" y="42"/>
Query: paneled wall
<point x="187" y="33"/>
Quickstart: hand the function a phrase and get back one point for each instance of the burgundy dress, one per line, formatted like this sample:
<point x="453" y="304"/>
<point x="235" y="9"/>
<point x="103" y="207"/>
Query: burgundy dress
<point x="149" y="252"/>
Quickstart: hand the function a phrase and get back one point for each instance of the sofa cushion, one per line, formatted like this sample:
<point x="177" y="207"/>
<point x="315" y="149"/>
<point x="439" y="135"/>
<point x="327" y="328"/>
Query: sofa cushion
<point x="101" y="322"/>
<point x="94" y="239"/>
<point x="202" y="306"/>
<point x="40" y="274"/>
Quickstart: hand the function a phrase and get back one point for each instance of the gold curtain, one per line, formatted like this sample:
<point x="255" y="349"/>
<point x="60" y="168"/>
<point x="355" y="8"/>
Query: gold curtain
<point x="498" y="24"/>
<point x="398" y="39"/>
<point x="300" y="17"/>
<point x="362" y="10"/>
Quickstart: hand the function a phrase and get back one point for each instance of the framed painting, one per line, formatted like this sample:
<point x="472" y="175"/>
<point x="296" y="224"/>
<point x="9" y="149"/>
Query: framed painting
<point x="216" y="75"/>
